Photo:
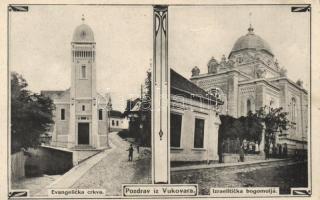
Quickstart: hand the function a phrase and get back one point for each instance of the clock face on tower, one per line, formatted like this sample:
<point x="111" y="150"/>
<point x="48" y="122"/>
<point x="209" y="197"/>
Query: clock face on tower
<point x="83" y="34"/>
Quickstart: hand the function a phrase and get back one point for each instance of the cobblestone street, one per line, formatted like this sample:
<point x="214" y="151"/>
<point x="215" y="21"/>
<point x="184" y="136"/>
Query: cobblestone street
<point x="262" y="176"/>
<point x="114" y="170"/>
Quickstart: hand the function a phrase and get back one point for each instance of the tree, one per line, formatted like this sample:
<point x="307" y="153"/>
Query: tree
<point x="140" y="120"/>
<point x="275" y="120"/>
<point x="146" y="110"/>
<point x="31" y="115"/>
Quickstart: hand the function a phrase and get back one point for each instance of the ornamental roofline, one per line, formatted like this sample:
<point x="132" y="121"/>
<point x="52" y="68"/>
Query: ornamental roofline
<point x="282" y="78"/>
<point x="261" y="80"/>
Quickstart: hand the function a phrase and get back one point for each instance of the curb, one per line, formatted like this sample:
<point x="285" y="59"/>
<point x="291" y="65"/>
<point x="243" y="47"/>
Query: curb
<point x="229" y="165"/>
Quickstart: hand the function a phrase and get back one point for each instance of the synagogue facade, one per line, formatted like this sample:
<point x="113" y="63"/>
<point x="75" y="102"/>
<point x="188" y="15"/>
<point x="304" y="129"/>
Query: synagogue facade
<point x="251" y="78"/>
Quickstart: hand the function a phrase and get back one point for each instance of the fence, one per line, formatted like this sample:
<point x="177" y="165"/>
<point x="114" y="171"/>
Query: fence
<point x="231" y="145"/>
<point x="18" y="161"/>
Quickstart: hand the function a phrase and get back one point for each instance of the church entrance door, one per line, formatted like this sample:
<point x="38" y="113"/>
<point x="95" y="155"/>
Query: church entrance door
<point x="83" y="133"/>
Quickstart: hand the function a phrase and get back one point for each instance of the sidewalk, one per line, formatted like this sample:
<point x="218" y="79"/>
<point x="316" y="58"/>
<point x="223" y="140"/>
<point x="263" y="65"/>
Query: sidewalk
<point x="231" y="165"/>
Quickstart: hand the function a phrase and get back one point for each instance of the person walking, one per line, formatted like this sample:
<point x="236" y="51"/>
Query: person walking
<point x="130" y="152"/>
<point x="266" y="151"/>
<point x="138" y="148"/>
<point x="257" y="148"/>
<point x="241" y="152"/>
<point x="270" y="149"/>
<point x="280" y="151"/>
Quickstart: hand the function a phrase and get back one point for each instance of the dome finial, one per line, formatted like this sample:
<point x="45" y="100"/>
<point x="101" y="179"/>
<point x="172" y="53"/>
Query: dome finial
<point x="250" y="29"/>
<point x="82" y="18"/>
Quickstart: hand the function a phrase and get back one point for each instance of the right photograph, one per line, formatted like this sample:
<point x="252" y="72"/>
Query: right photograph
<point x="239" y="98"/>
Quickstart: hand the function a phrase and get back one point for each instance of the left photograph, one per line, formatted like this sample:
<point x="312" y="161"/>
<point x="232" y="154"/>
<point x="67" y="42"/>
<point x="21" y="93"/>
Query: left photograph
<point x="80" y="99"/>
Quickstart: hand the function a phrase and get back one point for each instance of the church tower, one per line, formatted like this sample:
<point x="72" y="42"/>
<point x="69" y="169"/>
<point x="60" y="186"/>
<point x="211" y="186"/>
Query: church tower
<point x="83" y="111"/>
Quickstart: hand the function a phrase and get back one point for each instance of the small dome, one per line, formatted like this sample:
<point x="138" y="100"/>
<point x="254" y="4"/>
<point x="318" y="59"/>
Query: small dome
<point x="251" y="41"/>
<point x="83" y="33"/>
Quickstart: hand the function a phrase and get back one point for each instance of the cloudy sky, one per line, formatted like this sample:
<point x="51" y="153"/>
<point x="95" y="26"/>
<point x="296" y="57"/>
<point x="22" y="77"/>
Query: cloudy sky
<point x="40" y="39"/>
<point x="198" y="33"/>
<point x="40" y="47"/>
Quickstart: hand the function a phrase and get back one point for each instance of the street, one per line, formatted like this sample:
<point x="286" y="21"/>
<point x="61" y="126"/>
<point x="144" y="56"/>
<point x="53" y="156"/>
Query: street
<point x="114" y="170"/>
<point x="266" y="176"/>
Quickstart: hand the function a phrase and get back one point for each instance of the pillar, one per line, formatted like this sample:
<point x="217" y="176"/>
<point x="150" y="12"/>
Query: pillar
<point x="263" y="140"/>
<point x="160" y="94"/>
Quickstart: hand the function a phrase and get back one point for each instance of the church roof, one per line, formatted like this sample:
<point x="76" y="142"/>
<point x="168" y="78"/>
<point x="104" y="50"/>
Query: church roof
<point x="180" y="82"/>
<point x="115" y="113"/>
<point x="251" y="41"/>
<point x="83" y="33"/>
<point x="52" y="93"/>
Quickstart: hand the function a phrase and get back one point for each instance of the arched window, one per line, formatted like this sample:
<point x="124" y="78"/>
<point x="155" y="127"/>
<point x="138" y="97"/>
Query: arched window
<point x="248" y="106"/>
<point x="271" y="104"/>
<point x="83" y="71"/>
<point x="293" y="109"/>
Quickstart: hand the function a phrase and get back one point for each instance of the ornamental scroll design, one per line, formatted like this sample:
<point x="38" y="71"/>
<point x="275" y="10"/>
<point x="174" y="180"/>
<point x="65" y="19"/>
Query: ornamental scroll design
<point x="212" y="83"/>
<point x="161" y="14"/>
<point x="247" y="90"/>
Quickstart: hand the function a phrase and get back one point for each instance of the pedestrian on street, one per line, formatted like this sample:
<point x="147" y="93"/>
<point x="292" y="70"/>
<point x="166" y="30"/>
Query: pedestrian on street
<point x="266" y="151"/>
<point x="280" y="151"/>
<point x="271" y="149"/>
<point x="285" y="150"/>
<point x="130" y="152"/>
<point x="138" y="148"/>
<point x="241" y="154"/>
<point x="257" y="148"/>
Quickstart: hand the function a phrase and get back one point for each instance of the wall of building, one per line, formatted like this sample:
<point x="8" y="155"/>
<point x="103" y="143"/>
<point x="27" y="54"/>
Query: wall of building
<point x="228" y="83"/>
<point x="61" y="127"/>
<point x="123" y="123"/>
<point x="186" y="152"/>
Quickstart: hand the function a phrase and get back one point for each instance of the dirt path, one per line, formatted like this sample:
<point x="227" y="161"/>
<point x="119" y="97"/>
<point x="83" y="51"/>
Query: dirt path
<point x="114" y="170"/>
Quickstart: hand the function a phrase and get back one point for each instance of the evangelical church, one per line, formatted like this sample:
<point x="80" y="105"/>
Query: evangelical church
<point x="80" y="117"/>
<point x="251" y="78"/>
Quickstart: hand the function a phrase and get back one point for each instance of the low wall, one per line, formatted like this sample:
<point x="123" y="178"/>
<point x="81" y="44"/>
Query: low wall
<point x="49" y="161"/>
<point x="18" y="161"/>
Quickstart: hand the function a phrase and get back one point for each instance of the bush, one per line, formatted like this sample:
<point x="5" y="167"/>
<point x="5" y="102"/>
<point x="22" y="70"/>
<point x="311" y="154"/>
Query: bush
<point x="124" y="134"/>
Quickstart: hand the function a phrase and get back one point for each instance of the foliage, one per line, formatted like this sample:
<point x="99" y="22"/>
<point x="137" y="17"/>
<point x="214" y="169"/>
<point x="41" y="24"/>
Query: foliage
<point x="248" y="127"/>
<point x="124" y="134"/>
<point x="143" y="119"/>
<point x="275" y="120"/>
<point x="31" y="115"/>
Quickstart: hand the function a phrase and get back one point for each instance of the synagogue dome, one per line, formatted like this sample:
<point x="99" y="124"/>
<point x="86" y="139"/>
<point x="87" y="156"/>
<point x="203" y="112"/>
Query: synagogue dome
<point x="83" y="33"/>
<point x="251" y="41"/>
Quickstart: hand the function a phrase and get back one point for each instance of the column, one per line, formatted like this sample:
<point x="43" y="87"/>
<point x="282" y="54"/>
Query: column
<point x="160" y="94"/>
<point x="263" y="140"/>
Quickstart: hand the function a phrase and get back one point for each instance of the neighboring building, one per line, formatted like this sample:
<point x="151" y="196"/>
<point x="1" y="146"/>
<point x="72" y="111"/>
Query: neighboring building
<point x="117" y="121"/>
<point x="251" y="78"/>
<point x="80" y="117"/>
<point x="194" y="122"/>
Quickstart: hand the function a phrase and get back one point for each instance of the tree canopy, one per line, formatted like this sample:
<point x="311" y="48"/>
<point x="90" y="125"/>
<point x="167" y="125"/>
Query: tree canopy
<point x="31" y="115"/>
<point x="250" y="127"/>
<point x="246" y="127"/>
<point x="275" y="120"/>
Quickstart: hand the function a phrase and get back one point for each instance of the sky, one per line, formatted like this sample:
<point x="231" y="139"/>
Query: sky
<point x="40" y="42"/>
<point x="197" y="33"/>
<point x="40" y="47"/>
